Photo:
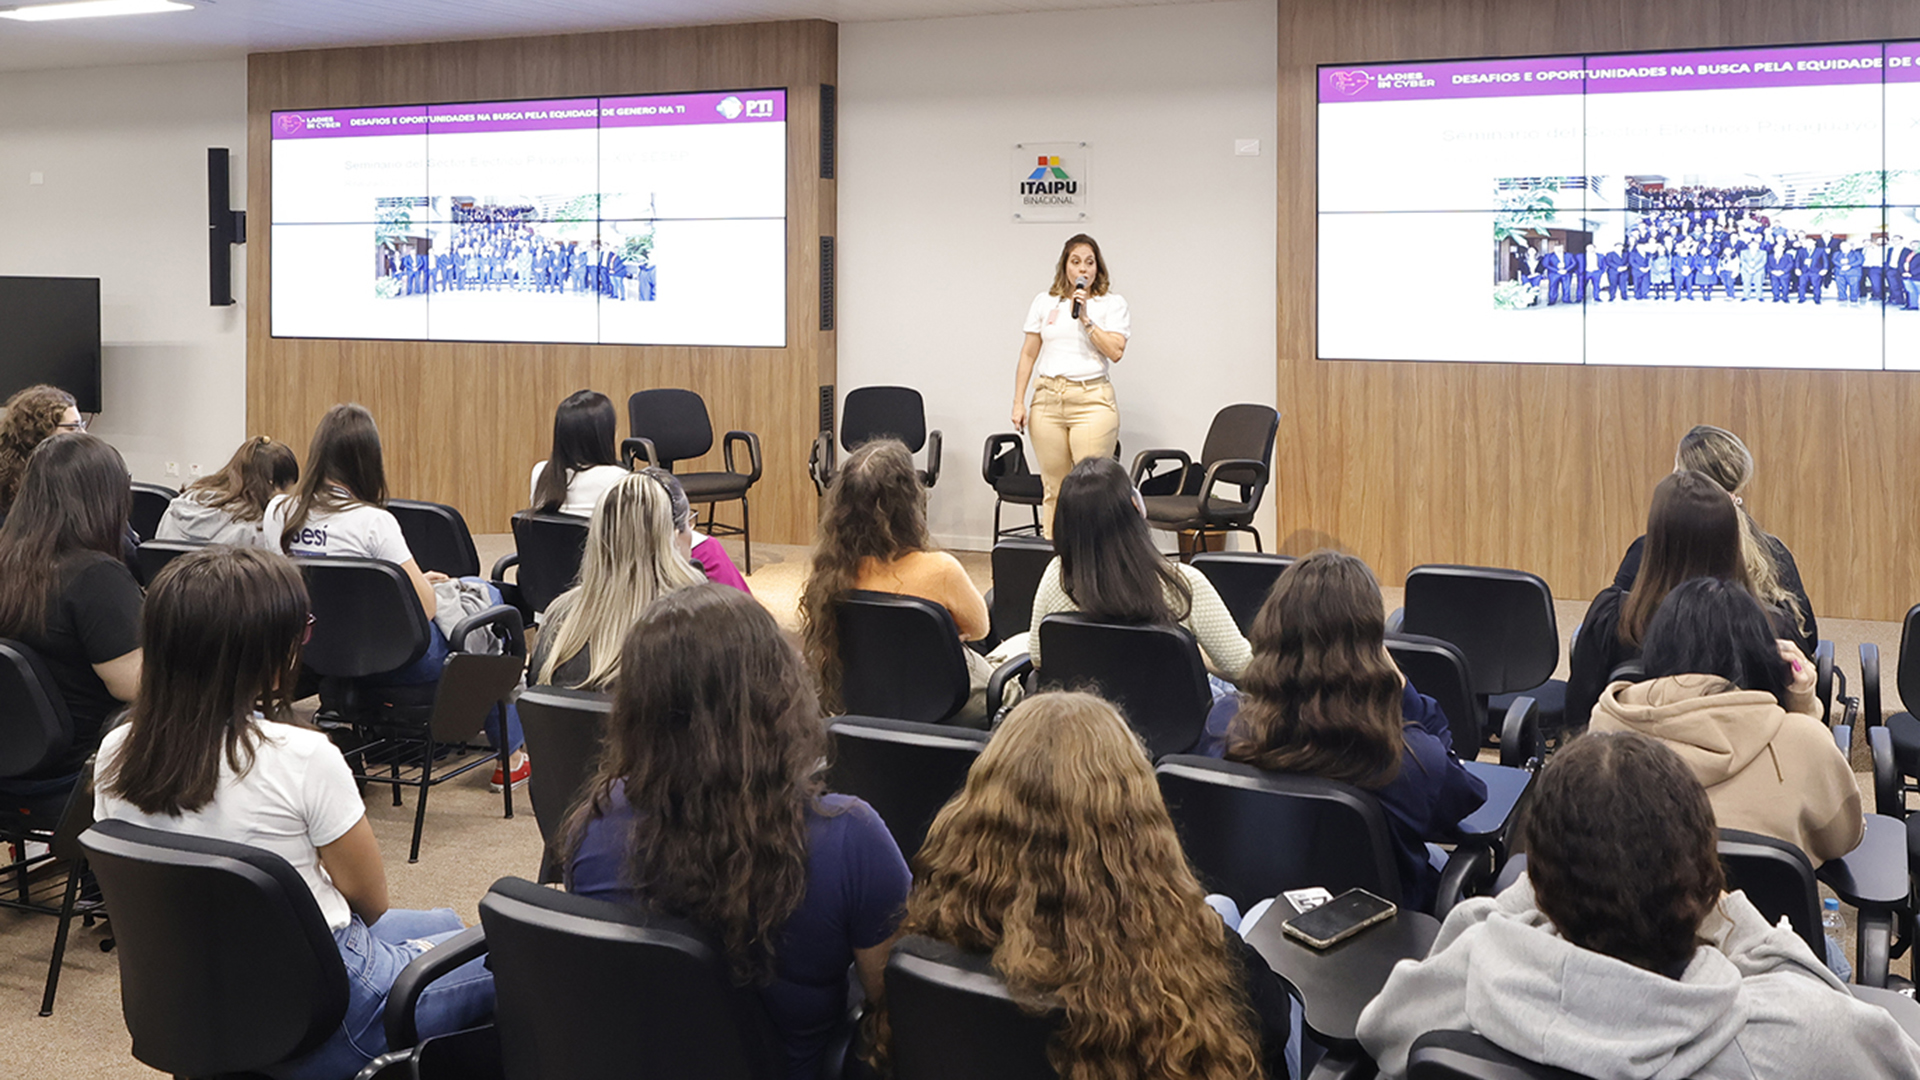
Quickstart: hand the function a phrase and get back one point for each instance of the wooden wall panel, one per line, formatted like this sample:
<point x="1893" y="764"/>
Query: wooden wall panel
<point x="463" y="423"/>
<point x="1550" y="468"/>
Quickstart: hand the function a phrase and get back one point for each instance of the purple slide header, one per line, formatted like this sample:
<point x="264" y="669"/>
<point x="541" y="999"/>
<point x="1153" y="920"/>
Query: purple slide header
<point x="660" y="110"/>
<point x="1713" y="69"/>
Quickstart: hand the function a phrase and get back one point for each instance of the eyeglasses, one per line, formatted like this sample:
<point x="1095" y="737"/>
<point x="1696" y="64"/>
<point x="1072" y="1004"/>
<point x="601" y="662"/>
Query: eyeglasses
<point x="307" y="638"/>
<point x="76" y="425"/>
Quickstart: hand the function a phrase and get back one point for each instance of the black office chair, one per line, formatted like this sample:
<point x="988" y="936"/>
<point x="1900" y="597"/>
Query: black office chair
<point x="901" y="657"/>
<point x="875" y="412"/>
<point x="1153" y="674"/>
<point x="1503" y="622"/>
<point x="153" y="555"/>
<point x="1903" y="729"/>
<point x="1238" y="451"/>
<point x="149" y="506"/>
<point x="954" y="1019"/>
<point x="564" y="730"/>
<point x="438" y="537"/>
<point x="1243" y="579"/>
<point x="367" y="621"/>
<point x="1464" y="1055"/>
<point x="226" y="964"/>
<point x="1779" y="880"/>
<point x="1003" y="465"/>
<point x="1438" y="669"/>
<point x="905" y="770"/>
<point x="671" y="426"/>
<point x="548" y="549"/>
<point x="1018" y="565"/>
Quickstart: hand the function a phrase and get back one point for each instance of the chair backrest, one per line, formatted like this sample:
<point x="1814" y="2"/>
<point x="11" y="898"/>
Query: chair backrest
<point x="564" y="729"/>
<point x="437" y="535"/>
<point x="1153" y="674"/>
<point x="366" y="617"/>
<point x="1018" y="565"/>
<point x="1438" y="669"/>
<point x="1241" y="431"/>
<point x="551" y="547"/>
<point x="149" y="506"/>
<point x="900" y="657"/>
<point x="152" y="556"/>
<point x="1252" y="834"/>
<point x="1907" y="673"/>
<point x="226" y="964"/>
<point x="1501" y="619"/>
<point x="905" y="770"/>
<point x="1005" y="458"/>
<point x="1464" y="1055"/>
<point x="954" y="1019"/>
<point x="35" y="727"/>
<point x="588" y="988"/>
<point x="674" y="420"/>
<point x="1778" y="879"/>
<point x="873" y="412"/>
<point x="1243" y="579"/>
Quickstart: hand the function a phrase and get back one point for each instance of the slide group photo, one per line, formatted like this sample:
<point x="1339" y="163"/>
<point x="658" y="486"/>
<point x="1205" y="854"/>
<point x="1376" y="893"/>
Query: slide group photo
<point x="554" y="247"/>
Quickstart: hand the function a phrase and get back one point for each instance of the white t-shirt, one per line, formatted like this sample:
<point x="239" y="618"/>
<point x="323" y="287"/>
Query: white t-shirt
<point x="584" y="487"/>
<point x="296" y="798"/>
<point x="359" y="531"/>
<point x="1065" y="349"/>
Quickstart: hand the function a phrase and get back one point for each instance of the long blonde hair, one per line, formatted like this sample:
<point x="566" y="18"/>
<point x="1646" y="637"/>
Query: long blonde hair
<point x="1058" y="858"/>
<point x="1725" y="460"/>
<point x="630" y="560"/>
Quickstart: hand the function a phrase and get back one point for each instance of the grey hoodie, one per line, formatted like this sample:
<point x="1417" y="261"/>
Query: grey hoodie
<point x="187" y="518"/>
<point x="1753" y="1004"/>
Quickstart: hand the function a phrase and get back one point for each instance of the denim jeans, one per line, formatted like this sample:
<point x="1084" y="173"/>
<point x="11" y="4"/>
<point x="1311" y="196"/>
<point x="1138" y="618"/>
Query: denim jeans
<point x="374" y="956"/>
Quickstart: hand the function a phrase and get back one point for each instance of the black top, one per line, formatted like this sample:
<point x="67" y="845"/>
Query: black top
<point x="1789" y="580"/>
<point x="569" y="673"/>
<point x="1596" y="652"/>
<point x="1272" y="1015"/>
<point x="93" y="616"/>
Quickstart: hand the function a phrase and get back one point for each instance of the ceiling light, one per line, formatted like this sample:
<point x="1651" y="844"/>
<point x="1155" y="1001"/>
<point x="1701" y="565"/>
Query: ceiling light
<point x="91" y="9"/>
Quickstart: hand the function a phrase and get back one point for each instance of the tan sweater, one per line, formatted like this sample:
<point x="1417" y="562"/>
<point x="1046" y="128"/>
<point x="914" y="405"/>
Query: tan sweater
<point x="935" y="576"/>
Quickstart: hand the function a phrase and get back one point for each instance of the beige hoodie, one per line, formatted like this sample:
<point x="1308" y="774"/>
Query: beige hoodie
<point x="1765" y="769"/>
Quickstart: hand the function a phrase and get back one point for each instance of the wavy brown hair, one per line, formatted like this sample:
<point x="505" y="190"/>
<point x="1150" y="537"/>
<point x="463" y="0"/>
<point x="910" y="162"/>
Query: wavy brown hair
<point x="259" y="470"/>
<point x="1059" y="860"/>
<point x="716" y="740"/>
<point x="74" y="497"/>
<point x="1321" y="696"/>
<point x="875" y="508"/>
<point x="31" y="417"/>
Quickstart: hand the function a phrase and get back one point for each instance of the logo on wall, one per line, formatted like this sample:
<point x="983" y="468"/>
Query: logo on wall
<point x="1350" y="82"/>
<point x="730" y="107"/>
<point x="290" y="123"/>
<point x="1050" y="182"/>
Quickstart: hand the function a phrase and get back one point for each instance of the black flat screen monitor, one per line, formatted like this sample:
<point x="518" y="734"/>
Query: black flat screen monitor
<point x="51" y="335"/>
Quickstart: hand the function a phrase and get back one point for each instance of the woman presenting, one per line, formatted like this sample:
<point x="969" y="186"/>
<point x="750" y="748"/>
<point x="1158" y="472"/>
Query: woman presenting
<point x="1074" y="330"/>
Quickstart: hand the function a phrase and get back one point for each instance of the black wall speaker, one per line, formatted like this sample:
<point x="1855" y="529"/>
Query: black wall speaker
<point x="225" y="228"/>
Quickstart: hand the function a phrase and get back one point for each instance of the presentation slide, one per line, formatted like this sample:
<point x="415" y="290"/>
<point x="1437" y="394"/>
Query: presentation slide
<point x="1724" y="208"/>
<point x="657" y="220"/>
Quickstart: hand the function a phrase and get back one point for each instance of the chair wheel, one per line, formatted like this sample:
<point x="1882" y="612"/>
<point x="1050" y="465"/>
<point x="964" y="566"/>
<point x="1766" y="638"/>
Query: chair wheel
<point x="106" y="945"/>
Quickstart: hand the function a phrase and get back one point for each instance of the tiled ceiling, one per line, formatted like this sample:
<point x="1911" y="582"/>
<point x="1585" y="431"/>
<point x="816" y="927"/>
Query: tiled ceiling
<point x="228" y="28"/>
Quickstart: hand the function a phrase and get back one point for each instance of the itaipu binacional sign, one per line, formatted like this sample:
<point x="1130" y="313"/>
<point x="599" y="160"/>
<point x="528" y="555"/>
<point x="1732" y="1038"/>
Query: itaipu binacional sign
<point x="1050" y="181"/>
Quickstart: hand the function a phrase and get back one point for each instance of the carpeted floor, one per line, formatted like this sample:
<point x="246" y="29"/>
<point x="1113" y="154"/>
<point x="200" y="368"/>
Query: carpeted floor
<point x="467" y="846"/>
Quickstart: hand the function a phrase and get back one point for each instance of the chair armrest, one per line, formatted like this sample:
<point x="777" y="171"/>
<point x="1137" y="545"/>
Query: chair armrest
<point x="995" y="446"/>
<point x="1520" y="742"/>
<point x="1016" y="668"/>
<point x="1888" y="799"/>
<point x="1396" y="619"/>
<point x="1843" y="738"/>
<point x="1468" y="872"/>
<point x="931" y="475"/>
<point x="1230" y="466"/>
<point x="418" y="975"/>
<point x="753" y="452"/>
<point x="1145" y="460"/>
<point x="503" y="618"/>
<point x="1870" y="683"/>
<point x="1823" y="679"/>
<point x="632" y="450"/>
<point x="1345" y="1065"/>
<point x="820" y="462"/>
<point x="508" y="561"/>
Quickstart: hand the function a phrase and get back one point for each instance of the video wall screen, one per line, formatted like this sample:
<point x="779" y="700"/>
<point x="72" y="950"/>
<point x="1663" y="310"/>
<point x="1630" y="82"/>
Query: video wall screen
<point x="1753" y="208"/>
<point x="657" y="220"/>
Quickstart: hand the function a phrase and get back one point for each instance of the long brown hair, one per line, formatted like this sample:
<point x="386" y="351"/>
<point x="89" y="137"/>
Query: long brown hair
<point x="1321" y="695"/>
<point x="716" y="740"/>
<point x="583" y="431"/>
<point x="31" y="417"/>
<point x="345" y="453"/>
<point x="220" y="637"/>
<point x="259" y="470"/>
<point x="1725" y="460"/>
<point x="1063" y="285"/>
<point x="1693" y="530"/>
<point x="876" y="508"/>
<point x="1108" y="564"/>
<point x="1058" y="859"/>
<point x="74" y="496"/>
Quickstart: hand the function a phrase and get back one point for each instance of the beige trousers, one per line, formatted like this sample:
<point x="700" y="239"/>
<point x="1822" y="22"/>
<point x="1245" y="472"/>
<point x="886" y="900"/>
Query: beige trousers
<point x="1069" y="421"/>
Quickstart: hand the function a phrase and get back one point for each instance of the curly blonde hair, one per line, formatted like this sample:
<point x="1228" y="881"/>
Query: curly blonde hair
<point x="31" y="417"/>
<point x="1059" y="859"/>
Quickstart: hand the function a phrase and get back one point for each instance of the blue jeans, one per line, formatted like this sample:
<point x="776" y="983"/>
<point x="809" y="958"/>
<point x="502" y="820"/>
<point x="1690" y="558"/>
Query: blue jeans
<point x="374" y="956"/>
<point x="427" y="670"/>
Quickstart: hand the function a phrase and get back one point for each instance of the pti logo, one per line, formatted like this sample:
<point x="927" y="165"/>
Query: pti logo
<point x="290" y="123"/>
<point x="1350" y="82"/>
<point x="1048" y="166"/>
<point x="730" y="107"/>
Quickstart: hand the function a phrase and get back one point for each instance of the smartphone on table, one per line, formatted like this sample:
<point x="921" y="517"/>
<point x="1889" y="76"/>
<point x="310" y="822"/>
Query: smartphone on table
<point x="1339" y="919"/>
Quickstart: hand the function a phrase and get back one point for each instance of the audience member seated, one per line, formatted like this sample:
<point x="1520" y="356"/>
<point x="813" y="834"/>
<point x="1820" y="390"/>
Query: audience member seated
<point x="1693" y="530"/>
<point x="32" y="416"/>
<point x="230" y="507"/>
<point x="1725" y="460"/>
<point x="339" y="511"/>
<point x="1737" y="705"/>
<point x="708" y="806"/>
<point x="66" y="594"/>
<point x="1620" y="956"/>
<point x="1105" y="565"/>
<point x="873" y="536"/>
<point x="703" y="551"/>
<point x="223" y="630"/>
<point x="585" y="461"/>
<point x="1322" y="697"/>
<point x="631" y="560"/>
<point x="1059" y="861"/>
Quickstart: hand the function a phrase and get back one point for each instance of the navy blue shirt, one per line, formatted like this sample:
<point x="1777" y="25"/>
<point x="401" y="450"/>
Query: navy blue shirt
<point x="856" y="891"/>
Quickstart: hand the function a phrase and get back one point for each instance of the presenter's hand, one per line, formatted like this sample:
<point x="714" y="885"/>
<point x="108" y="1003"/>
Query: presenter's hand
<point x="1019" y="416"/>
<point x="1086" y="310"/>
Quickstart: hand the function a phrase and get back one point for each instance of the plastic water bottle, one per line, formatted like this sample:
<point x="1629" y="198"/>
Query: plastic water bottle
<point x="1830" y="916"/>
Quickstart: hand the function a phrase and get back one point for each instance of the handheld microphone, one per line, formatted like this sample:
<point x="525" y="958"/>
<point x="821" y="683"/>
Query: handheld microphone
<point x="1078" y="283"/>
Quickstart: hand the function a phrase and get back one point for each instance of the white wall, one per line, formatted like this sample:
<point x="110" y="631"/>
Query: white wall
<point x="123" y="154"/>
<point x="935" y="276"/>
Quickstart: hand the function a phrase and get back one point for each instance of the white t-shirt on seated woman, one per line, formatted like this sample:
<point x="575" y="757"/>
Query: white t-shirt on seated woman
<point x="358" y="531"/>
<point x="297" y="797"/>
<point x="1065" y="349"/>
<point x="584" y="487"/>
